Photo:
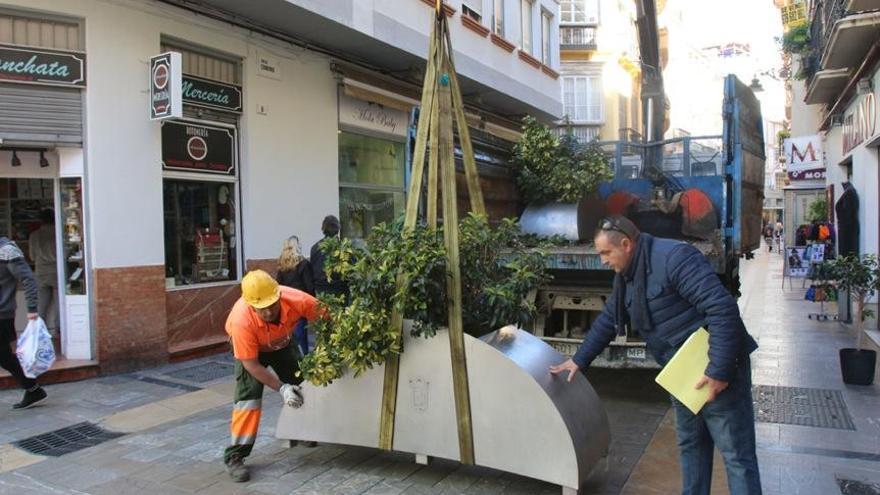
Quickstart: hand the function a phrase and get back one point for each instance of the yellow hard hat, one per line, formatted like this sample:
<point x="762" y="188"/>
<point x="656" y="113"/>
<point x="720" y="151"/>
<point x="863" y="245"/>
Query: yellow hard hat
<point x="259" y="289"/>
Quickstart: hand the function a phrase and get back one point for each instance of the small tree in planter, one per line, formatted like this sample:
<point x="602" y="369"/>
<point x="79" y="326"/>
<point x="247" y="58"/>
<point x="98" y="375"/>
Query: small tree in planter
<point x="498" y="271"/>
<point x="553" y="169"/>
<point x="861" y="278"/>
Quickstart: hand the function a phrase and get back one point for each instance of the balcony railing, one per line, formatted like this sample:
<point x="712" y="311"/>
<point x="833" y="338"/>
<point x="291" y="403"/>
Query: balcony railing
<point x="584" y="134"/>
<point x="577" y="37"/>
<point x="825" y="15"/>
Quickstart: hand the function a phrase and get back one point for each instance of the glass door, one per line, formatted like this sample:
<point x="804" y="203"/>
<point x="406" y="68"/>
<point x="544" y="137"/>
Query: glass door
<point x="73" y="272"/>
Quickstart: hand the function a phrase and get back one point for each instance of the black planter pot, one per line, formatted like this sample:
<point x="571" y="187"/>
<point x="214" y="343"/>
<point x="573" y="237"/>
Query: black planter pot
<point x="857" y="366"/>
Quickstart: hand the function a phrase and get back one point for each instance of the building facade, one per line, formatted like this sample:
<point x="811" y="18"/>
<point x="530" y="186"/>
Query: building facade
<point x="600" y="70"/>
<point x="291" y="110"/>
<point x="840" y="70"/>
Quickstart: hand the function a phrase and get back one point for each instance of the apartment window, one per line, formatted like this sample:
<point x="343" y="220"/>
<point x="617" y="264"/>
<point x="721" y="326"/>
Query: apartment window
<point x="579" y="11"/>
<point x="582" y="98"/>
<point x="498" y="17"/>
<point x="472" y="9"/>
<point x="545" y="38"/>
<point x="526" y="31"/>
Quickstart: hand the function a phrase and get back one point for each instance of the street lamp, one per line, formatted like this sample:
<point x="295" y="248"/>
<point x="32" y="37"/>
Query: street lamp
<point x="755" y="86"/>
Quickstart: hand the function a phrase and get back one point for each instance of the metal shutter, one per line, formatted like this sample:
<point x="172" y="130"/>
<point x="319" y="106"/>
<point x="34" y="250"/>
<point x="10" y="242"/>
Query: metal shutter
<point x="44" y="115"/>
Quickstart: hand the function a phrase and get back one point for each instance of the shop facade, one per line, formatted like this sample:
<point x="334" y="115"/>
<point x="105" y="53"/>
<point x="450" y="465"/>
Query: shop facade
<point x="43" y="77"/>
<point x="852" y="153"/>
<point x="168" y="214"/>
<point x="157" y="220"/>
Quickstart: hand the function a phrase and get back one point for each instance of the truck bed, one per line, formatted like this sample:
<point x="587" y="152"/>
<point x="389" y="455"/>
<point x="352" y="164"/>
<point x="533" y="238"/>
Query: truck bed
<point x="585" y="257"/>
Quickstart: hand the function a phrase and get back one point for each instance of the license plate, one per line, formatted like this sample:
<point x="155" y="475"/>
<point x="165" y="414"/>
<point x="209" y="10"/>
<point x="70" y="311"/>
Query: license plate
<point x="635" y="352"/>
<point x="564" y="348"/>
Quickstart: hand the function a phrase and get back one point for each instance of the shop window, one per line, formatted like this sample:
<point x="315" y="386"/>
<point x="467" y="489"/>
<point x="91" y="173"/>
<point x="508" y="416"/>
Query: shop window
<point x="200" y="237"/>
<point x="371" y="179"/>
<point x="73" y="241"/>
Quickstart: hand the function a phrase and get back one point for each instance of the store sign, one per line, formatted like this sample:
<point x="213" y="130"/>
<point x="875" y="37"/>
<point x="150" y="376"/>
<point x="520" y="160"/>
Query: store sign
<point x="860" y="123"/>
<point x="165" y="86"/>
<point x="191" y="147"/>
<point x="211" y="94"/>
<point x="372" y="116"/>
<point x="804" y="158"/>
<point x="42" y="66"/>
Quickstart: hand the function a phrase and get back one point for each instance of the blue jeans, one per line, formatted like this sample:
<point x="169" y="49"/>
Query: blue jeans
<point x="301" y="335"/>
<point x="728" y="422"/>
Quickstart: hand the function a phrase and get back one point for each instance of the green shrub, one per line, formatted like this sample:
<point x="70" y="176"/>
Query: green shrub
<point x="498" y="271"/>
<point x="551" y="169"/>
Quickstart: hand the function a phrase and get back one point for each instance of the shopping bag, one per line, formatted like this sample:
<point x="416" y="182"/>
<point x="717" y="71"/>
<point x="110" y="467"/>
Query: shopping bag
<point x="35" y="350"/>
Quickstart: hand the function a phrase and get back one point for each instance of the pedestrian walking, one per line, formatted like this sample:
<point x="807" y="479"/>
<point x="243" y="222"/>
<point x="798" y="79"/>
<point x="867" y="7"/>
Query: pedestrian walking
<point x="768" y="237"/>
<point x="260" y="326"/>
<point x="330" y="228"/>
<point x="295" y="271"/>
<point x="665" y="290"/>
<point x="13" y="270"/>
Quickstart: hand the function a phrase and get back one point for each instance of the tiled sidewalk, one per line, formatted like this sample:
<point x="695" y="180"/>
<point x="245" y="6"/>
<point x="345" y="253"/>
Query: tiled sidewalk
<point x="176" y="425"/>
<point x="794" y="352"/>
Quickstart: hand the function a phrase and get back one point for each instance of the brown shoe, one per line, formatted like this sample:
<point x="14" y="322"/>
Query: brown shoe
<point x="237" y="470"/>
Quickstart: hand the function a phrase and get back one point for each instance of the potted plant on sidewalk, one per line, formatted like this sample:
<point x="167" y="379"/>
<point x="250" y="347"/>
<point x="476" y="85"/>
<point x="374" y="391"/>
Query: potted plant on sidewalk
<point x="861" y="278"/>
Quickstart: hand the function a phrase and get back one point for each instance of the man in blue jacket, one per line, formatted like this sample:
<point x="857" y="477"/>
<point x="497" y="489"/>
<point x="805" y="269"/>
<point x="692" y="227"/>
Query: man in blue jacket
<point x="665" y="290"/>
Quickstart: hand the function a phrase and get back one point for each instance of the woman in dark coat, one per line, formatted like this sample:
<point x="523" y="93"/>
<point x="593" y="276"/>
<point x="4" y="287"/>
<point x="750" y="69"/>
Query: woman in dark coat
<point x="295" y="271"/>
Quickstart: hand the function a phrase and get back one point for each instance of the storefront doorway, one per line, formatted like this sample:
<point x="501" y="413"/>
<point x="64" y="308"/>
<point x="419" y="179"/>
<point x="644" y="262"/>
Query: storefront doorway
<point x="42" y="213"/>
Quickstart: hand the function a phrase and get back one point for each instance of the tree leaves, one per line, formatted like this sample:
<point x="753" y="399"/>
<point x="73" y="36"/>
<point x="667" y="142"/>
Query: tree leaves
<point x="498" y="268"/>
<point x="556" y="169"/>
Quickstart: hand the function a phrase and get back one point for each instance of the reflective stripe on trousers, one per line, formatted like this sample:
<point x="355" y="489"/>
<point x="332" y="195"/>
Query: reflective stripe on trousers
<point x="246" y="421"/>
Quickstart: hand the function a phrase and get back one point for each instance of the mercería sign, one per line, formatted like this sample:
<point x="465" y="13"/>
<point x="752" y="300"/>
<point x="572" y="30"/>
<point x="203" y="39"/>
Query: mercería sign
<point x="211" y="94"/>
<point x="190" y="147"/>
<point x="860" y="123"/>
<point x="42" y="66"/>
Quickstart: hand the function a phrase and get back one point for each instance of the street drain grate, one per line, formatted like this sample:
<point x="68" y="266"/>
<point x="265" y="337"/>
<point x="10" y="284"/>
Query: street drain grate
<point x="203" y="373"/>
<point x="166" y="383"/>
<point x="66" y="440"/>
<point x="815" y="407"/>
<point x="852" y="487"/>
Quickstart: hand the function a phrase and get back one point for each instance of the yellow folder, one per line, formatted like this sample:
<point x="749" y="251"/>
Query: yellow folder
<point x="685" y="369"/>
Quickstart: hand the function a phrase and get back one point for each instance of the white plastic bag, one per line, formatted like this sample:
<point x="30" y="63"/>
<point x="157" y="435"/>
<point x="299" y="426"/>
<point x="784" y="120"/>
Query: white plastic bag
<point x="35" y="350"/>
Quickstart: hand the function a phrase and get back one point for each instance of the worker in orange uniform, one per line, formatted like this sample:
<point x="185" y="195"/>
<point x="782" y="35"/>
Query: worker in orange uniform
<point x="260" y="327"/>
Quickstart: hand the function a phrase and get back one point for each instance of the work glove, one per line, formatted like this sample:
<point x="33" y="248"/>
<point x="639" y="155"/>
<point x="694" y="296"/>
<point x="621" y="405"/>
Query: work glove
<point x="292" y="395"/>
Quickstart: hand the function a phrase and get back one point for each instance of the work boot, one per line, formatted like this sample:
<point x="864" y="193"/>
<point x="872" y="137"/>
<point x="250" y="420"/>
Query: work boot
<point x="237" y="470"/>
<point x="30" y="398"/>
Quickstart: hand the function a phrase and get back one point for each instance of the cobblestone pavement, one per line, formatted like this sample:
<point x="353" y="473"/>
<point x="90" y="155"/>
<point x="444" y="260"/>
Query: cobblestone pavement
<point x="174" y="421"/>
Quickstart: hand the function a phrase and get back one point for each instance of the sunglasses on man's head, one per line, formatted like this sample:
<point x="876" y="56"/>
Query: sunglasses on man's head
<point x="608" y="224"/>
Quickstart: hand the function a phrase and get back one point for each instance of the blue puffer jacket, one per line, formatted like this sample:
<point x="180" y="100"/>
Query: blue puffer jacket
<point x="684" y="294"/>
